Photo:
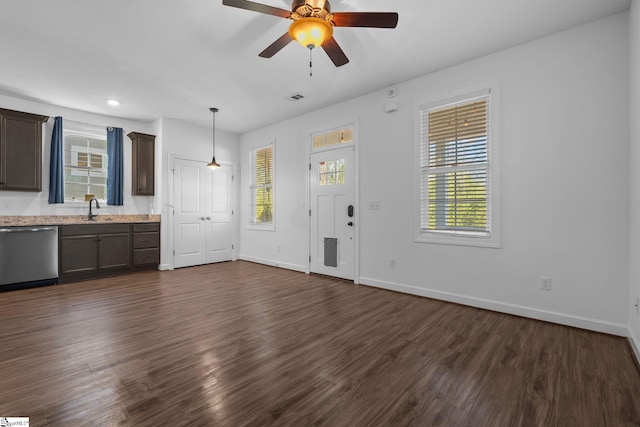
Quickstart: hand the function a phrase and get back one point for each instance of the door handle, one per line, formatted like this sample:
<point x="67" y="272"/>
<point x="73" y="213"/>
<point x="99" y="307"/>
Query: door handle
<point x="350" y="211"/>
<point x="209" y="218"/>
<point x="350" y="223"/>
<point x="201" y="218"/>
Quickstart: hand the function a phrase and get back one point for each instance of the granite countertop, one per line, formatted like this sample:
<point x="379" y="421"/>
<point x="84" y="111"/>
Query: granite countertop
<point x="16" y="221"/>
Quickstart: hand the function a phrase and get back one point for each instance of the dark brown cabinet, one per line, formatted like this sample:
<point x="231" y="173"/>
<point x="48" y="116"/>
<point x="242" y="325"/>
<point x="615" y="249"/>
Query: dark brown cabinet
<point x="78" y="254"/>
<point x="88" y="251"/>
<point x="146" y="244"/>
<point x="142" y="164"/>
<point x="91" y="249"/>
<point x="21" y="150"/>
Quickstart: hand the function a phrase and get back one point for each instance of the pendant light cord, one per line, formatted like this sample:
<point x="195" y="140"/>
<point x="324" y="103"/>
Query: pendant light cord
<point x="310" y="62"/>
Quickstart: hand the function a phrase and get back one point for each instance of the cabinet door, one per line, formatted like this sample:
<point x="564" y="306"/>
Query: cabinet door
<point x="20" y="151"/>
<point x="78" y="254"/>
<point x="114" y="250"/>
<point x="143" y="164"/>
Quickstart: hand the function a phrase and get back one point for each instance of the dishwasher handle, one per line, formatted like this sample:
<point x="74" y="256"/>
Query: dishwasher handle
<point x="21" y="230"/>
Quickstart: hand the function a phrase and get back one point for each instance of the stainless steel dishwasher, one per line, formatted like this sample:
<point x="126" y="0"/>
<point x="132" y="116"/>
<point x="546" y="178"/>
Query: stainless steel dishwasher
<point x="28" y="256"/>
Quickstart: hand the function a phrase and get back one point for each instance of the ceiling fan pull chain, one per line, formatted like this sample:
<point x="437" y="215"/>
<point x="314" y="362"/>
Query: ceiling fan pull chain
<point x="310" y="62"/>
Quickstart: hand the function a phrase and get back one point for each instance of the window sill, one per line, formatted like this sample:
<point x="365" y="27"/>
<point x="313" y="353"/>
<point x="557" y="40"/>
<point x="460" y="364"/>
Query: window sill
<point x="458" y="240"/>
<point x="259" y="227"/>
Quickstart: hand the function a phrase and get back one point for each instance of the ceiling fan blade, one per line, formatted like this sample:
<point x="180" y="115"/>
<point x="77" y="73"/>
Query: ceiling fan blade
<point x="257" y="7"/>
<point x="276" y="46"/>
<point x="335" y="52"/>
<point x="366" y="19"/>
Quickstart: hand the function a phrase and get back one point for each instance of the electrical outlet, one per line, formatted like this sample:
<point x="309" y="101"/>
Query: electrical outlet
<point x="545" y="283"/>
<point x="392" y="263"/>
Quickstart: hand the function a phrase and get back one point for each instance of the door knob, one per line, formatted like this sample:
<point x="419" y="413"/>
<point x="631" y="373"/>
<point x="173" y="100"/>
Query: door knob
<point x="350" y="223"/>
<point x="209" y="217"/>
<point x="202" y="218"/>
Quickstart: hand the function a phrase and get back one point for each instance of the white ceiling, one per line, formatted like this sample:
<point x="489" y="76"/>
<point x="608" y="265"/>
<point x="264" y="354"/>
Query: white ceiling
<point x="178" y="58"/>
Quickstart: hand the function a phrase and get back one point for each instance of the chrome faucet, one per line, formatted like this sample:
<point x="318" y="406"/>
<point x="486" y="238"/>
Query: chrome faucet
<point x="91" y="214"/>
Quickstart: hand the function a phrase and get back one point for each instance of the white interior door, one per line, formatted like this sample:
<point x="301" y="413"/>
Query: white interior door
<point x="332" y="190"/>
<point x="218" y="214"/>
<point x="203" y="228"/>
<point x="189" y="214"/>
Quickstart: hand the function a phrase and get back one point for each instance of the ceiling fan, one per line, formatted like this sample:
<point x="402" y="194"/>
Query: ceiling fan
<point x="313" y="24"/>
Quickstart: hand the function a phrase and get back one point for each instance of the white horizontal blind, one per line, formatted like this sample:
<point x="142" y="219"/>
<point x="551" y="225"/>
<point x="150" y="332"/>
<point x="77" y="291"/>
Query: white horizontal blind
<point x="261" y="204"/>
<point x="454" y="167"/>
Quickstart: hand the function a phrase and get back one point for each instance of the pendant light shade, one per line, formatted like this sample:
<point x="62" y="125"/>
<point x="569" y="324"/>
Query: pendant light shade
<point x="214" y="164"/>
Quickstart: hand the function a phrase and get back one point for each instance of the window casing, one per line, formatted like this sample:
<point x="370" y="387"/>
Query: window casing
<point x="457" y="177"/>
<point x="261" y="189"/>
<point x="85" y="166"/>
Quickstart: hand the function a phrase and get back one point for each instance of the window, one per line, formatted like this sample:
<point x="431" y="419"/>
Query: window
<point x="456" y="188"/>
<point x="261" y="204"/>
<point x="331" y="172"/>
<point x="341" y="136"/>
<point x="85" y="165"/>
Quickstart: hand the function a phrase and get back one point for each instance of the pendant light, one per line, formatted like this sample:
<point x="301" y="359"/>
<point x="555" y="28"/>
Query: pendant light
<point x="214" y="164"/>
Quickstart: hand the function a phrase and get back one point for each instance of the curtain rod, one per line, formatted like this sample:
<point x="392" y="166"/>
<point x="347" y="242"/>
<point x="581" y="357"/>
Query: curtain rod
<point x="82" y="123"/>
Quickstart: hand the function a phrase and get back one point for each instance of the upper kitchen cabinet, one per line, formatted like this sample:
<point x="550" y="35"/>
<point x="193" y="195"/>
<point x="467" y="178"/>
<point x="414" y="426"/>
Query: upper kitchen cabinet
<point x="20" y="150"/>
<point x="142" y="164"/>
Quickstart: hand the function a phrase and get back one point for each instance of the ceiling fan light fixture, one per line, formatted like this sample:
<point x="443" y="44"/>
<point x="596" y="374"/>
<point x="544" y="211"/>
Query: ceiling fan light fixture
<point x="311" y="32"/>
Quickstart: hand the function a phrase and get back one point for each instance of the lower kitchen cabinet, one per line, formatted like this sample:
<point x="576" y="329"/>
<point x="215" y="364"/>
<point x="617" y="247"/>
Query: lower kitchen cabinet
<point x="88" y="251"/>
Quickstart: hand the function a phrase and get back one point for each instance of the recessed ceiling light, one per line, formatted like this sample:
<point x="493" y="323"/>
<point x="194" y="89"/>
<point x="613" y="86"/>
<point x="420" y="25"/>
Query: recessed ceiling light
<point x="113" y="102"/>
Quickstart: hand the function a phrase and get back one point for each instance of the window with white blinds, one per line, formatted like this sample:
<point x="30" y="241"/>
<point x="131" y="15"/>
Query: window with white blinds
<point x="261" y="188"/>
<point x="454" y="167"/>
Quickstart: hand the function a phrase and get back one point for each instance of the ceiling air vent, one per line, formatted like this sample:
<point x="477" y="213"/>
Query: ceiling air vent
<point x="295" y="97"/>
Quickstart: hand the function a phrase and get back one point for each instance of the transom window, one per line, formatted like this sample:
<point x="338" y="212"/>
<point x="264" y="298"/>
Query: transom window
<point x="340" y="136"/>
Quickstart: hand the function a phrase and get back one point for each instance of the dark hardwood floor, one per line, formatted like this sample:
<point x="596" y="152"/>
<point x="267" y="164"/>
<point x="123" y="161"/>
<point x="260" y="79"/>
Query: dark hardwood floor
<point x="243" y="344"/>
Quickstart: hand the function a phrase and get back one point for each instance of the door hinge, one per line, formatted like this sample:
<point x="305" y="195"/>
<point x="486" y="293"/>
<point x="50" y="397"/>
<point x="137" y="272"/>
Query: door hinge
<point x="309" y="258"/>
<point x="174" y="252"/>
<point x="309" y="212"/>
<point x="231" y="211"/>
<point x="309" y="166"/>
<point x="233" y="247"/>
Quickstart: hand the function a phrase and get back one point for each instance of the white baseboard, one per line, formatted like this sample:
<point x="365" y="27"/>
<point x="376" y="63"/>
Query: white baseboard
<point x="635" y="344"/>
<point x="164" y="267"/>
<point x="518" y="310"/>
<point x="294" y="267"/>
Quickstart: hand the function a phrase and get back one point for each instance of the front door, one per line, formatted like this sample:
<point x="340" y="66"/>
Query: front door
<point x="332" y="203"/>
<point x="202" y="216"/>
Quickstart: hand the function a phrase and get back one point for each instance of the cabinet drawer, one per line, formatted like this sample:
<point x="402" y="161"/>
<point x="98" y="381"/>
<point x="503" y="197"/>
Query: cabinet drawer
<point x="152" y="226"/>
<point x="146" y="256"/>
<point x="146" y="240"/>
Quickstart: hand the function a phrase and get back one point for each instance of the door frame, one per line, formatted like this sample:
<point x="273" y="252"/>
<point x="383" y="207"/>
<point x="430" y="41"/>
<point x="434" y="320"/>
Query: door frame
<point x="171" y="206"/>
<point x="357" y="217"/>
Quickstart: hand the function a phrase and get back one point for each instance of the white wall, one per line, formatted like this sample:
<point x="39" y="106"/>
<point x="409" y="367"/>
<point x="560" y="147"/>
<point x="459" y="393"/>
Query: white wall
<point x="29" y="203"/>
<point x="634" y="232"/>
<point x="565" y="182"/>
<point x="191" y="142"/>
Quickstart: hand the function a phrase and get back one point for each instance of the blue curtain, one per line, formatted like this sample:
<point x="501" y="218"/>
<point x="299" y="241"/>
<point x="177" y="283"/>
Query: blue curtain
<point x="56" y="170"/>
<point x="115" y="174"/>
